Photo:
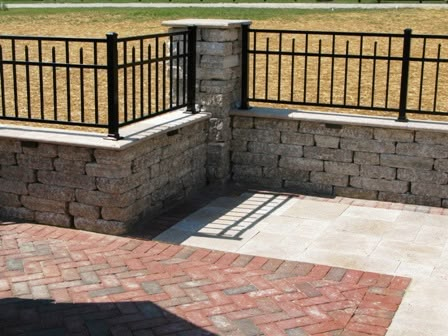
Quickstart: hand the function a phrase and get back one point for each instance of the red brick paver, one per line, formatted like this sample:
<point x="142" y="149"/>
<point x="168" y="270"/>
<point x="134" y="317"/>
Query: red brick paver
<point x="57" y="281"/>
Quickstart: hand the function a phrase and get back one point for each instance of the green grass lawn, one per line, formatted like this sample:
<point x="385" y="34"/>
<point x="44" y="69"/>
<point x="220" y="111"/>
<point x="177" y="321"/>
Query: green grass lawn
<point x="204" y="1"/>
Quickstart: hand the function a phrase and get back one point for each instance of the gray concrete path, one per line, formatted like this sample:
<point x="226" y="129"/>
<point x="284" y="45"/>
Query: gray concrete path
<point x="235" y="5"/>
<point x="372" y="236"/>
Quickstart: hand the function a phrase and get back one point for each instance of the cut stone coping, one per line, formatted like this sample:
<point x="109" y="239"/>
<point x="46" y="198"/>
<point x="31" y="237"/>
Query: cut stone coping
<point x="131" y="134"/>
<point x="206" y="23"/>
<point x="342" y="119"/>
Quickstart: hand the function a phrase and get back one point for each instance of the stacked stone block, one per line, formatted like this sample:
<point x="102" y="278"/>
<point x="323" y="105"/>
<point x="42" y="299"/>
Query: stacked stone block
<point x="399" y="165"/>
<point x="101" y="190"/>
<point x="218" y="84"/>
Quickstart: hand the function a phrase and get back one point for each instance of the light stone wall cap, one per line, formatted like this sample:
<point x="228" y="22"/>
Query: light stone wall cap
<point x="206" y="23"/>
<point x="343" y="119"/>
<point x="132" y="134"/>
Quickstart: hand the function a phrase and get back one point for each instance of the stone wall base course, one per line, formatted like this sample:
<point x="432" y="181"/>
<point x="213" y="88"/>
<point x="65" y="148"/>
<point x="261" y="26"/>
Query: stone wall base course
<point x="44" y="205"/>
<point x="409" y="199"/>
<point x="102" y="226"/>
<point x="83" y="210"/>
<point x="55" y="219"/>
<point x="356" y="193"/>
<point x="10" y="200"/>
<point x="22" y="213"/>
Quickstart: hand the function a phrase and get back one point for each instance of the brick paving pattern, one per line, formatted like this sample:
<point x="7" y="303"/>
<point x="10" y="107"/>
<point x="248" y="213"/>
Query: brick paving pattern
<point x="57" y="281"/>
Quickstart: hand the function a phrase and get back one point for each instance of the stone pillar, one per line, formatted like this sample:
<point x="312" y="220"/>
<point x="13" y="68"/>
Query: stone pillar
<point x="218" y="84"/>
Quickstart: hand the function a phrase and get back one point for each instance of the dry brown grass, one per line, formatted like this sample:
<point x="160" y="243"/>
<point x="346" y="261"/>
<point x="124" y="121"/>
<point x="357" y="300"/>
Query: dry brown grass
<point x="90" y="25"/>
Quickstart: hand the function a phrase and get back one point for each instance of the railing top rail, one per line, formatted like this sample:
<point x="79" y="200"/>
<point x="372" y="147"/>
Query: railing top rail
<point x="342" y="33"/>
<point x="317" y="32"/>
<point x="142" y="37"/>
<point x="52" y="38"/>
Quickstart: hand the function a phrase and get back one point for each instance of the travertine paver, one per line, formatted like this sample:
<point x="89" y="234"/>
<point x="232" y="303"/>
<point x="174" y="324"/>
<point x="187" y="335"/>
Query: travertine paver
<point x="392" y="238"/>
<point x="58" y="281"/>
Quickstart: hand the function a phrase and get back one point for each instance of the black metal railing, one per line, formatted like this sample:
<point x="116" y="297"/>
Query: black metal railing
<point x="398" y="73"/>
<point x="96" y="82"/>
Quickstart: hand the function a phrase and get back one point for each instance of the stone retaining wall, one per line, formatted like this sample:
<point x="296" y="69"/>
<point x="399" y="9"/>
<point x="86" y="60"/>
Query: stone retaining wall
<point x="401" y="164"/>
<point x="97" y="189"/>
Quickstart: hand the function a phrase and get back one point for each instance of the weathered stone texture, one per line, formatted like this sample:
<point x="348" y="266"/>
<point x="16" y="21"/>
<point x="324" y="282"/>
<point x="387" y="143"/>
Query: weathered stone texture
<point x="301" y="163"/>
<point x="297" y="139"/>
<point x="329" y="154"/>
<point x="15" y="187"/>
<point x="55" y="219"/>
<point x="101" y="226"/>
<point x="275" y="149"/>
<point x="388" y="134"/>
<point x="66" y="180"/>
<point x="341" y="168"/>
<point x="329" y="179"/>
<point x="40" y="149"/>
<point x="44" y="205"/>
<point x="378" y="184"/>
<point x="372" y="146"/>
<point x="51" y="192"/>
<point x="18" y="173"/>
<point x="378" y="172"/>
<point x="423" y="150"/>
<point x="84" y="210"/>
<point x="282" y="125"/>
<point x="327" y="141"/>
<point x="401" y="161"/>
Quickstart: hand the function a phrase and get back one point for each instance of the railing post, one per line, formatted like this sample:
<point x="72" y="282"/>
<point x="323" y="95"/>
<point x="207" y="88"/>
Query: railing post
<point x="191" y="77"/>
<point x="405" y="75"/>
<point x="112" y="86"/>
<point x="244" y="104"/>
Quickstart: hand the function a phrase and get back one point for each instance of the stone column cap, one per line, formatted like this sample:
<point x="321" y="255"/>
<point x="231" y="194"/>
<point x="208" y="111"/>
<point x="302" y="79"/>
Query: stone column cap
<point x="206" y="23"/>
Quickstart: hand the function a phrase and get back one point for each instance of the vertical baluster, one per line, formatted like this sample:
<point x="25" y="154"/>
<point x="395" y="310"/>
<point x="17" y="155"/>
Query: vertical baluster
<point x="81" y="82"/>
<point x="149" y="80"/>
<point x="279" y="66"/>
<point x="420" y="95"/>
<point x="55" y="87"/>
<point x="142" y="79"/>
<point x="41" y="80"/>
<point x="164" y="76"/>
<point x="293" y="49"/>
<point x="171" y="71"/>
<point x="177" y="72"/>
<point x="389" y="52"/>
<point x="67" y="76"/>
<point x="347" y="48"/>
<point x="305" y="68"/>
<point x="333" y="47"/>
<point x="184" y="69"/>
<point x="319" y="58"/>
<point x="125" y="80"/>
<point x="27" y="81"/>
<point x="254" y="65"/>
<point x="436" y="86"/>
<point x="95" y="81"/>
<point x="360" y="69"/>
<point x="2" y="82"/>
<point x="266" y="84"/>
<point x="374" y="74"/>
<point x="14" y="77"/>
<point x="133" y="84"/>
<point x="157" y="75"/>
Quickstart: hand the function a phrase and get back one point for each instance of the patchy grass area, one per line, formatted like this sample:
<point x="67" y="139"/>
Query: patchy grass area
<point x="128" y="22"/>
<point x="90" y="22"/>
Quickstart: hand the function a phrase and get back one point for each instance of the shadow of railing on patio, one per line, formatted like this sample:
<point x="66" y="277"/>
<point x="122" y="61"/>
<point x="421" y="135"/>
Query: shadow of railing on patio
<point x="47" y="317"/>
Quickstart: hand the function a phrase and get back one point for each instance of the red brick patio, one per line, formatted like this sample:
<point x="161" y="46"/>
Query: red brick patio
<point x="57" y="281"/>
